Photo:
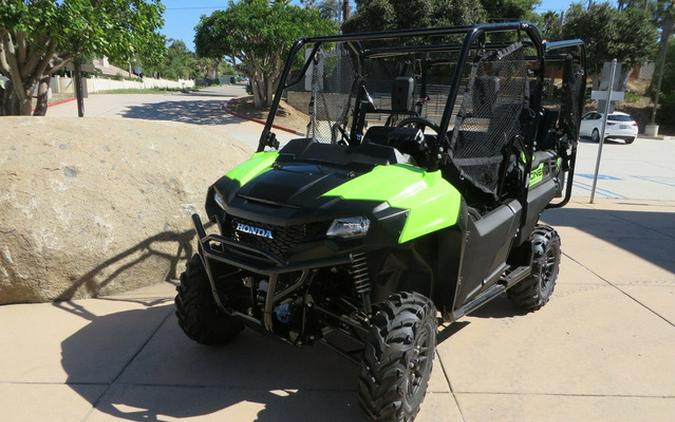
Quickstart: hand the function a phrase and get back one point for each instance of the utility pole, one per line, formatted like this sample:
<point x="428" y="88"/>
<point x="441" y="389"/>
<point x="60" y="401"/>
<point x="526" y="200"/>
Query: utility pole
<point x="590" y="3"/>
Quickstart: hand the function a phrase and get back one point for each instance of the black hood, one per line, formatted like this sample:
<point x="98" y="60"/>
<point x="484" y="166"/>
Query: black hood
<point x="292" y="185"/>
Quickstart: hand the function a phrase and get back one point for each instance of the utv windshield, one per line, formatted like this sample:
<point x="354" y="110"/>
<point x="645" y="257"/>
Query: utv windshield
<point x="382" y="88"/>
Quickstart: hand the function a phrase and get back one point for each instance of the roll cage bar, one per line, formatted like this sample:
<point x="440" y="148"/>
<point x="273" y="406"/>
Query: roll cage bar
<point x="472" y="34"/>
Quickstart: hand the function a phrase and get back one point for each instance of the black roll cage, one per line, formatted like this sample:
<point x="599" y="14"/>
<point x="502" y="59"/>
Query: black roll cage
<point x="472" y="34"/>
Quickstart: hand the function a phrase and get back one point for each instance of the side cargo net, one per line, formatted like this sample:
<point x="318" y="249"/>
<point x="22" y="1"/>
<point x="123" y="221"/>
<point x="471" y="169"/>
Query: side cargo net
<point x="489" y="117"/>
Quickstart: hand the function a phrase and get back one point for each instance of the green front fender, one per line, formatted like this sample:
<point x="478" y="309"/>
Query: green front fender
<point x="432" y="202"/>
<point x="254" y="166"/>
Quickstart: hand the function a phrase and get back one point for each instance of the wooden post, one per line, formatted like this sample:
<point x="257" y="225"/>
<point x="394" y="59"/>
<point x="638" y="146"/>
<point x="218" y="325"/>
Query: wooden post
<point x="79" y="94"/>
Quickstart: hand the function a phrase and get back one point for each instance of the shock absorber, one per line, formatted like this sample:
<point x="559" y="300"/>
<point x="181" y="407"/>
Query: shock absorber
<point x="359" y="273"/>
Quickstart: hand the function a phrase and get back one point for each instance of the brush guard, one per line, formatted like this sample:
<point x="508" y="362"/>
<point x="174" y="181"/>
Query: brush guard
<point x="265" y="264"/>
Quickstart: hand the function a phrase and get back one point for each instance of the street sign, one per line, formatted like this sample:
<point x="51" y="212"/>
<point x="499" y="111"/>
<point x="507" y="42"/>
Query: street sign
<point x="602" y="95"/>
<point x="608" y="94"/>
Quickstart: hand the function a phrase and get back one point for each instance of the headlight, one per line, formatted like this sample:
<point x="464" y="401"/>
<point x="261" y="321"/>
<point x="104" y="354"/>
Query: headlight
<point x="219" y="200"/>
<point x="349" y="228"/>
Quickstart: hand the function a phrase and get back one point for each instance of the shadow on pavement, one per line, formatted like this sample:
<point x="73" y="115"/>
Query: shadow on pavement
<point x="648" y="235"/>
<point x="174" y="377"/>
<point x="209" y="94"/>
<point x="199" y="112"/>
<point x="585" y="140"/>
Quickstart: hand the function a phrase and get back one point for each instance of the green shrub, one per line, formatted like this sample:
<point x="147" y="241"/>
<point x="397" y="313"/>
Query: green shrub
<point x="631" y="97"/>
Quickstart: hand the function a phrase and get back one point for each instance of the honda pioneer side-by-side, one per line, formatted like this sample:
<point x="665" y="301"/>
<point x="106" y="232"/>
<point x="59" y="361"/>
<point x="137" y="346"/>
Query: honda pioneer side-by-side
<point x="412" y="197"/>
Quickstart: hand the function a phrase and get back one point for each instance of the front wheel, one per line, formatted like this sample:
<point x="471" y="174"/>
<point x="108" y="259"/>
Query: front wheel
<point x="196" y="310"/>
<point x="533" y="292"/>
<point x="398" y="358"/>
<point x="595" y="136"/>
<point x="630" y="140"/>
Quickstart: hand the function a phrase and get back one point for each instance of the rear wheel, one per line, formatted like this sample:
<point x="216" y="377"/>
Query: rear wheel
<point x="398" y="358"/>
<point x="533" y="292"/>
<point x="595" y="136"/>
<point x="197" y="312"/>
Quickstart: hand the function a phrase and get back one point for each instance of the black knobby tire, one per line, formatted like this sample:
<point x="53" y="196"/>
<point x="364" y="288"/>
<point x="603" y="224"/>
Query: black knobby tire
<point x="595" y="136"/>
<point x="533" y="292"/>
<point x="398" y="358"/>
<point x="196" y="310"/>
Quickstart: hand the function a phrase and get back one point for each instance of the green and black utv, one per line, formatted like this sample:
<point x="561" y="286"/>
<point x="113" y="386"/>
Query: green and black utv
<point x="413" y="196"/>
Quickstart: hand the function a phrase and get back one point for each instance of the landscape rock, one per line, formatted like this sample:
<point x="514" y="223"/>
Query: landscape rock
<point x="100" y="205"/>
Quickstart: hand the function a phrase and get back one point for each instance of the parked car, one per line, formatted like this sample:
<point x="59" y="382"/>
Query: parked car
<point x="619" y="126"/>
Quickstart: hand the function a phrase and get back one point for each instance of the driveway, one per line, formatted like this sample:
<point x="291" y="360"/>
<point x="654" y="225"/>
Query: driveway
<point x="642" y="170"/>
<point x="204" y="107"/>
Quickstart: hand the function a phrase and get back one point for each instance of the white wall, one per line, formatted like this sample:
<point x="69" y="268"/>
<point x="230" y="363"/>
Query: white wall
<point x="65" y="85"/>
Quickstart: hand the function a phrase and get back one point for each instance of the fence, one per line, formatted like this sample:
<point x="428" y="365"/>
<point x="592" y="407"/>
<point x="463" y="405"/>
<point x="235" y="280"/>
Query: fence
<point x="62" y="84"/>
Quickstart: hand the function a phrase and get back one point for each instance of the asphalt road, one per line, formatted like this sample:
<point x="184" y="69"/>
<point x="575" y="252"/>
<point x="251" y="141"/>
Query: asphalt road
<point x="643" y="170"/>
<point x="205" y="107"/>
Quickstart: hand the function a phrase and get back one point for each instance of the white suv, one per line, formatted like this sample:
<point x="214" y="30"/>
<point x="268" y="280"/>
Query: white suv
<point x="619" y="126"/>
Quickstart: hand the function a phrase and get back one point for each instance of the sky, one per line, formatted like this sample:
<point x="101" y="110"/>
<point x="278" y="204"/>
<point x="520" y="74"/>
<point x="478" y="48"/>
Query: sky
<point x="181" y="16"/>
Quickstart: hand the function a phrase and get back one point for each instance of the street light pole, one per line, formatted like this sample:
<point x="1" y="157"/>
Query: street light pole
<point x="612" y="74"/>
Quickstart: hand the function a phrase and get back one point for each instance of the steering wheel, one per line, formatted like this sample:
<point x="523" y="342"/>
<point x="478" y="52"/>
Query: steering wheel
<point x="421" y="123"/>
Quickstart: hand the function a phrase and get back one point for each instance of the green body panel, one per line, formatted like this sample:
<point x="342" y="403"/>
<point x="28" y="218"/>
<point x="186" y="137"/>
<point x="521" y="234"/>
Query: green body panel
<point x="249" y="169"/>
<point x="537" y="175"/>
<point x="432" y="202"/>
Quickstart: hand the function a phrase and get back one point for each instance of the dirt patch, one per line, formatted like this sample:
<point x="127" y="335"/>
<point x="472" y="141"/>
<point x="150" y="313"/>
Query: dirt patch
<point x="287" y="115"/>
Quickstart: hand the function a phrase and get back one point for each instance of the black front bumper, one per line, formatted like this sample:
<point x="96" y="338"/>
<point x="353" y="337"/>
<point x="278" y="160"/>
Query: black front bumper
<point x="213" y="247"/>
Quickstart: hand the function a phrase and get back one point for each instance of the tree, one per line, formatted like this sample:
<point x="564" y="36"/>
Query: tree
<point x="664" y="13"/>
<point x="39" y="37"/>
<point x="258" y="33"/>
<point x="629" y="36"/>
<point x="509" y="9"/>
<point x="550" y="24"/>
<point x="379" y="15"/>
<point x="668" y="86"/>
<point x="180" y="63"/>
<point x="328" y="9"/>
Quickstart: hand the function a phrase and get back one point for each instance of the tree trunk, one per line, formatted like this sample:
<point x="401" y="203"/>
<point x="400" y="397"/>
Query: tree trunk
<point x="256" y="79"/>
<point x="42" y="96"/>
<point x="270" y="85"/>
<point x="3" y="92"/>
<point x="258" y="88"/>
<point x="9" y="104"/>
<point x="660" y="65"/>
<point x="77" y="79"/>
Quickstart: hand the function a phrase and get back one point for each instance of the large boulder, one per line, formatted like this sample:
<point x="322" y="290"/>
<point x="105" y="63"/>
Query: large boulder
<point x="99" y="205"/>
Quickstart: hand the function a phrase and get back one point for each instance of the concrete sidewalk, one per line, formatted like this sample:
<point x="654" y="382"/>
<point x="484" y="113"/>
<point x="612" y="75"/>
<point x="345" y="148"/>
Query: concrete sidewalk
<point x="602" y="349"/>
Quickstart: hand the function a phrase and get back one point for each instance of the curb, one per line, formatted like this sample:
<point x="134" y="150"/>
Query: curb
<point x="657" y="138"/>
<point x="55" y="103"/>
<point x="260" y="121"/>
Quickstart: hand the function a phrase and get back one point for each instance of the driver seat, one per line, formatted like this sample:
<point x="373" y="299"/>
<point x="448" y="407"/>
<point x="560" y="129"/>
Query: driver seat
<point x="406" y="140"/>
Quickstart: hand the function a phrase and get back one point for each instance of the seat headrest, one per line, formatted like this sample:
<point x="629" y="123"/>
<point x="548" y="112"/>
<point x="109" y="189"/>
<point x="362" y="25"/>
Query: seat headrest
<point x="484" y="95"/>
